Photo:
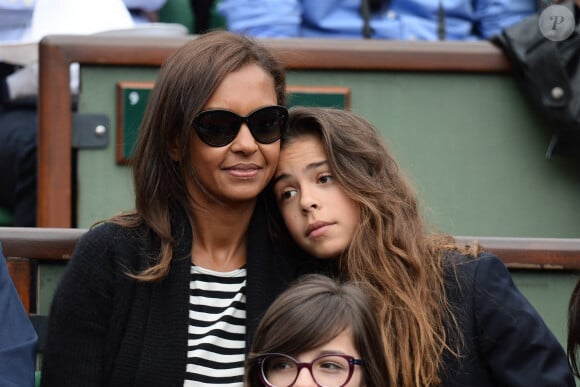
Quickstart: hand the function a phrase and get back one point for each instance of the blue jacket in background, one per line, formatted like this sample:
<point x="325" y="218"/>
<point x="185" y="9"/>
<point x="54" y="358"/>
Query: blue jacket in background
<point x="17" y="336"/>
<point x="401" y="20"/>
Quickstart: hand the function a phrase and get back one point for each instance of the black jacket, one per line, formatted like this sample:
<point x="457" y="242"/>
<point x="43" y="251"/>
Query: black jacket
<point x="506" y="342"/>
<point x="106" y="329"/>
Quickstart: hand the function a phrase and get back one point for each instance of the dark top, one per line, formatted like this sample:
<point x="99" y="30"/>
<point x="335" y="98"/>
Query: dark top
<point x="106" y="329"/>
<point x="506" y="342"/>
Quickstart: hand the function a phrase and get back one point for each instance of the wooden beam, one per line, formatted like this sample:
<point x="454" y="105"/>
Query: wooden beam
<point x="21" y="273"/>
<point x="39" y="243"/>
<point x="531" y="253"/>
<point x="527" y="253"/>
<point x="25" y="246"/>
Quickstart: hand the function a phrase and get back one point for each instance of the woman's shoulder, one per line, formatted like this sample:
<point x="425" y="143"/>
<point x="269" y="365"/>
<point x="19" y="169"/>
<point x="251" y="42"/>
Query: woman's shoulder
<point x="112" y="238"/>
<point x="112" y="232"/>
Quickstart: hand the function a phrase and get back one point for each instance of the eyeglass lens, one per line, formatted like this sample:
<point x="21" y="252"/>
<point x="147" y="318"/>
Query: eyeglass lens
<point x="220" y="127"/>
<point x="327" y="371"/>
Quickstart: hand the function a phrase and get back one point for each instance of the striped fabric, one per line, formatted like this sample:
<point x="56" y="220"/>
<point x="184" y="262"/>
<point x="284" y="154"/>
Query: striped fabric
<point x="217" y="328"/>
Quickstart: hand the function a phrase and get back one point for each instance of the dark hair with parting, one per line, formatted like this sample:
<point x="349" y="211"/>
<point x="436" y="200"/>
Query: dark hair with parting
<point x="310" y="313"/>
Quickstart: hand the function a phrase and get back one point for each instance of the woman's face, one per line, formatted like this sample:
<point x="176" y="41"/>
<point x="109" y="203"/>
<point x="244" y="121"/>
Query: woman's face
<point x="320" y="216"/>
<point x="240" y="170"/>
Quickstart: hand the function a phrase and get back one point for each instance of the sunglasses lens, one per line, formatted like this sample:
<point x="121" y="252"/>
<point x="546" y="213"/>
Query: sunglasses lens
<point x="217" y="127"/>
<point x="220" y="127"/>
<point x="268" y="124"/>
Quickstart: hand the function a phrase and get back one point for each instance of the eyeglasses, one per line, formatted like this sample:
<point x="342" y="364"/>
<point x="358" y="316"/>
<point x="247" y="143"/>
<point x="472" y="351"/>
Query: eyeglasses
<point x="278" y="370"/>
<point x="219" y="127"/>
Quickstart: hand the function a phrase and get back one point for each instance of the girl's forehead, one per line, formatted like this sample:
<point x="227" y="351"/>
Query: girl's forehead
<point x="303" y="140"/>
<point x="301" y="152"/>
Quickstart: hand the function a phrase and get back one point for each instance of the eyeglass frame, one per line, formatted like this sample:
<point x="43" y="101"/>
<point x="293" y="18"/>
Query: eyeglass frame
<point x="352" y="362"/>
<point x="243" y="120"/>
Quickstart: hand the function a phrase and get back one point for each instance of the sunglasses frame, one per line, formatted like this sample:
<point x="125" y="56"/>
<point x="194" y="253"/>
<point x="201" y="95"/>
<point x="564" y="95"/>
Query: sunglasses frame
<point x="227" y="139"/>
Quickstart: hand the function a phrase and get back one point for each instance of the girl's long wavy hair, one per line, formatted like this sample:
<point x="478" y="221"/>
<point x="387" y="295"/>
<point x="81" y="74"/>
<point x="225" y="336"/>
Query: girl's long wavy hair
<point x="402" y="266"/>
<point x="185" y="83"/>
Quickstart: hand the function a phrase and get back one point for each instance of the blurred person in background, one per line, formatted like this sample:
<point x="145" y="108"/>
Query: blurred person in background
<point x="377" y="19"/>
<point x="22" y="24"/>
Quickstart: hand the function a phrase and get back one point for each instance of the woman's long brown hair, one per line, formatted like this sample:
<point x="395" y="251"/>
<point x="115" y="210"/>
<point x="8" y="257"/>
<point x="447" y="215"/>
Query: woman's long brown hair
<point x="185" y="83"/>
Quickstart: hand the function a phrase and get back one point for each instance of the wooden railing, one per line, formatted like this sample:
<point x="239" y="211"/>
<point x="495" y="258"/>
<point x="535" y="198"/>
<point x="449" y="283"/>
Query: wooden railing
<point x="531" y="253"/>
<point x="27" y="246"/>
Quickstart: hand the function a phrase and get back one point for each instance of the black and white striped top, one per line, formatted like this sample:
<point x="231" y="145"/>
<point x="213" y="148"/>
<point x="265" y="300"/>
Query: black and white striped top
<point x="217" y="328"/>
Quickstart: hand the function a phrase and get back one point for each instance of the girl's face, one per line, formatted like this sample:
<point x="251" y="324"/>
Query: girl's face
<point x="341" y="344"/>
<point x="320" y="216"/>
<point x="327" y="368"/>
<point x="240" y="170"/>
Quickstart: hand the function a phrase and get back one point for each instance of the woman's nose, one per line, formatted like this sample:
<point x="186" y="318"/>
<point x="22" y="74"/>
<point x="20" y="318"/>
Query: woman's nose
<point x="244" y="141"/>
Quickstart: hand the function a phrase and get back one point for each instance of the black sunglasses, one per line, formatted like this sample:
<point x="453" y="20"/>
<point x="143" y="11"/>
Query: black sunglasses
<point x="220" y="127"/>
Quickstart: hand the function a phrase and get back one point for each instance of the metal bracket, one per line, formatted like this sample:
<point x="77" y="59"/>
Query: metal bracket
<point x="90" y="130"/>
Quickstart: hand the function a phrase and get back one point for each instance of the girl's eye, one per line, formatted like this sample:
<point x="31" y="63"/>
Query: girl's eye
<point x="287" y="194"/>
<point x="325" y="179"/>
<point x="280" y="365"/>
<point x="330" y="366"/>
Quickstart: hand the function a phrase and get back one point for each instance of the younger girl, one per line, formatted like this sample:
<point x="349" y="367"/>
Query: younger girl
<point x="321" y="325"/>
<point x="446" y="319"/>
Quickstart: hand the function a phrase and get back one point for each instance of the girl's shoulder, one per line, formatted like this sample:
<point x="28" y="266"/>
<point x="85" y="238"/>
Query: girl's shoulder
<point x="456" y="261"/>
<point x="465" y="273"/>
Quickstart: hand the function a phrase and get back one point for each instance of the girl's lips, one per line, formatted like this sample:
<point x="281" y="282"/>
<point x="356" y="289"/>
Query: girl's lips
<point x="317" y="229"/>
<point x="318" y="232"/>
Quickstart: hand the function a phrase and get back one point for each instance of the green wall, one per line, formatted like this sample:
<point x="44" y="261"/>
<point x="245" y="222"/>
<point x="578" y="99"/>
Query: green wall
<point x="470" y="143"/>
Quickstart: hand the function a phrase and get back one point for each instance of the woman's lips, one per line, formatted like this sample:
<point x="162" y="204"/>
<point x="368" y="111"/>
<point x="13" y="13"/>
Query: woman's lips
<point x="243" y="170"/>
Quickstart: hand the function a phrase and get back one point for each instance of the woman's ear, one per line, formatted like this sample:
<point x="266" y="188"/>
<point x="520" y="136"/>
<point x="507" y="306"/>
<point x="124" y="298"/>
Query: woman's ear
<point x="174" y="151"/>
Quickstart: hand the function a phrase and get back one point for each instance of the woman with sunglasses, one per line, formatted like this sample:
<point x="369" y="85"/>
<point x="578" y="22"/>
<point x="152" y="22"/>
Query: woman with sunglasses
<point x="169" y="294"/>
<point x="447" y="319"/>
<point x="319" y="332"/>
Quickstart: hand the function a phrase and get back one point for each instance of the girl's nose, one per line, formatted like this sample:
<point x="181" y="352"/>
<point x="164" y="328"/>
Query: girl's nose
<point x="308" y="201"/>
<point x="305" y="379"/>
